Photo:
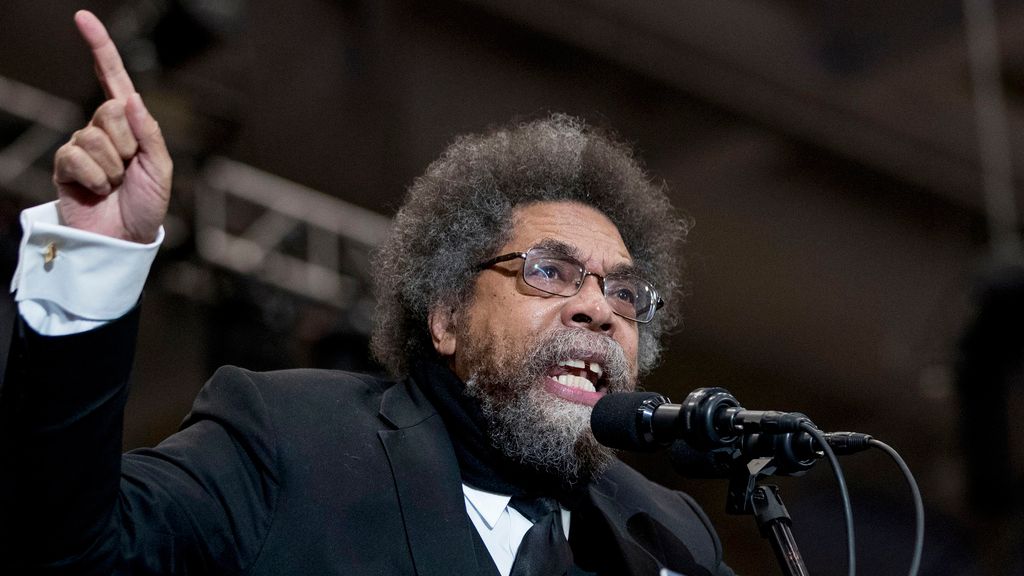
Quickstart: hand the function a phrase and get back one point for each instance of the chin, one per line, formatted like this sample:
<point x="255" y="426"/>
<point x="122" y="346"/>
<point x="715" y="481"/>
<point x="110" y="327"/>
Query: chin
<point x="550" y="435"/>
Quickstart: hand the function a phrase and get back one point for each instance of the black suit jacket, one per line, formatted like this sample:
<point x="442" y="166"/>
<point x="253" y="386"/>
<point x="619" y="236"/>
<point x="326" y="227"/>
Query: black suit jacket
<point x="293" y="472"/>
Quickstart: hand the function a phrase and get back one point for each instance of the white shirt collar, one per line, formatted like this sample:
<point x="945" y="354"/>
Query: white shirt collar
<point x="487" y="504"/>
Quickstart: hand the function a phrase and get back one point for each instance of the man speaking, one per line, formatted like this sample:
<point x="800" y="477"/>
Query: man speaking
<point x="530" y="271"/>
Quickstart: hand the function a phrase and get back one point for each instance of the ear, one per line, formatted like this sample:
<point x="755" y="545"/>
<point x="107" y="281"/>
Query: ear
<point x="442" y="330"/>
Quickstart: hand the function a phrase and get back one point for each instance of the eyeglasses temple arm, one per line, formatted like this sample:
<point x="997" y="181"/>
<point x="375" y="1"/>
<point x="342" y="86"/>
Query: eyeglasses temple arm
<point x="500" y="259"/>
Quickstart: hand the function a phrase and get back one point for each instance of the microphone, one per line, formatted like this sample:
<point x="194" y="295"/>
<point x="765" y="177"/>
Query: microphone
<point x="711" y="434"/>
<point x="717" y="463"/>
<point x="709" y="418"/>
<point x="792" y="454"/>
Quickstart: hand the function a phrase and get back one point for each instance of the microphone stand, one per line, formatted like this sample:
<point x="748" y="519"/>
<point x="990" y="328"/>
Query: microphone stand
<point x="746" y="496"/>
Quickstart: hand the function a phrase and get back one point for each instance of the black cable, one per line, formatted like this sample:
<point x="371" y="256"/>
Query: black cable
<point x="915" y="564"/>
<point x="847" y="509"/>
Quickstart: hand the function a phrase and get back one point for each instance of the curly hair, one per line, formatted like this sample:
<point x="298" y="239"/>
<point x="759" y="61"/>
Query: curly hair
<point x="460" y="212"/>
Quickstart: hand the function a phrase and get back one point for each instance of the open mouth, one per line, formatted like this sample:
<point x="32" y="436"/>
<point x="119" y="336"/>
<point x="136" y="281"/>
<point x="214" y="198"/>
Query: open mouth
<point x="577" y="380"/>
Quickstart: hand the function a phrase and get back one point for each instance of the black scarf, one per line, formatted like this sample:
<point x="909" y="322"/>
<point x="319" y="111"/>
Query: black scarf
<point x="595" y="547"/>
<point x="481" y="465"/>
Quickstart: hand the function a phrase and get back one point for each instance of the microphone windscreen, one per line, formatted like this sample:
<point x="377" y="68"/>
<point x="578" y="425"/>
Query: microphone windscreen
<point x="614" y="421"/>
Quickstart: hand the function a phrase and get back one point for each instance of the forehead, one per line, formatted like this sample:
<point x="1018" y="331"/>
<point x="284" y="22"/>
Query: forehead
<point x="594" y="237"/>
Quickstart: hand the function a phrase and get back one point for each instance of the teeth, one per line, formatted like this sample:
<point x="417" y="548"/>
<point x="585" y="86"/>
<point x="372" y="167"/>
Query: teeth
<point x="580" y="364"/>
<point x="575" y="382"/>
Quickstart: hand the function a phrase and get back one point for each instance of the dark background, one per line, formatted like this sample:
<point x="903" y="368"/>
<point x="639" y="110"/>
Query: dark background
<point x="841" y="263"/>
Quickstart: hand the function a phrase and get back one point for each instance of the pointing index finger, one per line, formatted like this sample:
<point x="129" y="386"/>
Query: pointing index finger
<point x="109" y="67"/>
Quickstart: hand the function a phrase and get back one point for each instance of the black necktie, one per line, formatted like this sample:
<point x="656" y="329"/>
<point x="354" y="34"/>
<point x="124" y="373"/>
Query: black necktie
<point x="544" y="550"/>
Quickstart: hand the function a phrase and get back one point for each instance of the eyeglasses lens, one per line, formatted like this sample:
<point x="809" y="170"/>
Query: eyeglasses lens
<point x="629" y="296"/>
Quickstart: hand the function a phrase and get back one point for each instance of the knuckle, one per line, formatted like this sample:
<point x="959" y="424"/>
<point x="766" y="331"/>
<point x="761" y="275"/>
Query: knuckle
<point x="116" y="172"/>
<point x="95" y="181"/>
<point x="88" y="136"/>
<point x="109" y="110"/>
<point x="126" y="147"/>
<point x="62" y="153"/>
<point x="65" y="157"/>
<point x="74" y="165"/>
<point x="93" y="178"/>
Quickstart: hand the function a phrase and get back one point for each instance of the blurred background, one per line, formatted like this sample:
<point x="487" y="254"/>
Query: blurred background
<point x="850" y="167"/>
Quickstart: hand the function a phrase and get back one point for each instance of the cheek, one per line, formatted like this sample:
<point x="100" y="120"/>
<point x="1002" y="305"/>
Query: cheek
<point x="503" y="315"/>
<point x="630" y="345"/>
<point x="523" y="312"/>
<point x="525" y="321"/>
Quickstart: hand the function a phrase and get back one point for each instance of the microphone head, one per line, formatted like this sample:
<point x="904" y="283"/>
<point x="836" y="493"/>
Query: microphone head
<point x="616" y="424"/>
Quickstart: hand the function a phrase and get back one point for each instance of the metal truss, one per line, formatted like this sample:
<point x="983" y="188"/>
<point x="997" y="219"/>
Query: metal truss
<point x="285" y="234"/>
<point x="248" y="221"/>
<point x="24" y="150"/>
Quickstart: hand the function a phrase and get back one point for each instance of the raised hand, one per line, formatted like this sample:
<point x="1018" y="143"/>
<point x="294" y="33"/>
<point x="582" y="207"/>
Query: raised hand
<point x="113" y="177"/>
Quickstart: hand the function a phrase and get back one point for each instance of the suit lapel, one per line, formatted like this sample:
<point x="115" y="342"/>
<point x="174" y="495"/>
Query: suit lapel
<point x="629" y="539"/>
<point x="427" y="480"/>
<point x="599" y="529"/>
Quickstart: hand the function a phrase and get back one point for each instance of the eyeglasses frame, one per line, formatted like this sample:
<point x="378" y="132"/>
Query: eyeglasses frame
<point x="600" y="281"/>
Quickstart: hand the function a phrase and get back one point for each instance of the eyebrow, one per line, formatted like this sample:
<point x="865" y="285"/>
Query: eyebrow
<point x="570" y="251"/>
<point x="560" y="248"/>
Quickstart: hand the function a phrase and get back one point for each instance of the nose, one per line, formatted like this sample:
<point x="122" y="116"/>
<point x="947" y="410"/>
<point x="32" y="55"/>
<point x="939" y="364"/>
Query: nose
<point x="588" y="309"/>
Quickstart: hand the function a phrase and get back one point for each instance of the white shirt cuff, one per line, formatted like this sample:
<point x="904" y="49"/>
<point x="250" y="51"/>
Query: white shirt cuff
<point x="69" y="280"/>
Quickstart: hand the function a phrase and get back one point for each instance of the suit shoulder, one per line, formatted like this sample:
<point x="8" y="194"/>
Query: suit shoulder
<point x="304" y="381"/>
<point x="285" y="399"/>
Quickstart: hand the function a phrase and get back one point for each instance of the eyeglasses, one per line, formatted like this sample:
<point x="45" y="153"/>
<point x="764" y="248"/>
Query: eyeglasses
<point x="554" y="273"/>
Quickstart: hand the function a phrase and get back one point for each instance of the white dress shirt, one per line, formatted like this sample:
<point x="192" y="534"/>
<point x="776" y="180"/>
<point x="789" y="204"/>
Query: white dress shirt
<point x="69" y="281"/>
<point x="501" y="526"/>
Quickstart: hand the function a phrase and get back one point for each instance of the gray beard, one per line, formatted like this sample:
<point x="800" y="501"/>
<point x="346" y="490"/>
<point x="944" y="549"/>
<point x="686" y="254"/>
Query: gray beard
<point x="528" y="424"/>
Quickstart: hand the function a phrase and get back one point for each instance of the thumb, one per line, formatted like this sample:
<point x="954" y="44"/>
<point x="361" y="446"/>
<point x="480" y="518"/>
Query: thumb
<point x="152" y="148"/>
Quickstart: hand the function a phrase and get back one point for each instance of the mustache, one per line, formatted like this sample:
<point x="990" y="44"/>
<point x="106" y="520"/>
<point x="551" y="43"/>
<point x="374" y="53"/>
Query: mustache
<point x="561" y="345"/>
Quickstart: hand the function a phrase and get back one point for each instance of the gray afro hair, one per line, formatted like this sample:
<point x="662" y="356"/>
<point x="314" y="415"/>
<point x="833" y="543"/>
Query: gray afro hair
<point x="460" y="212"/>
